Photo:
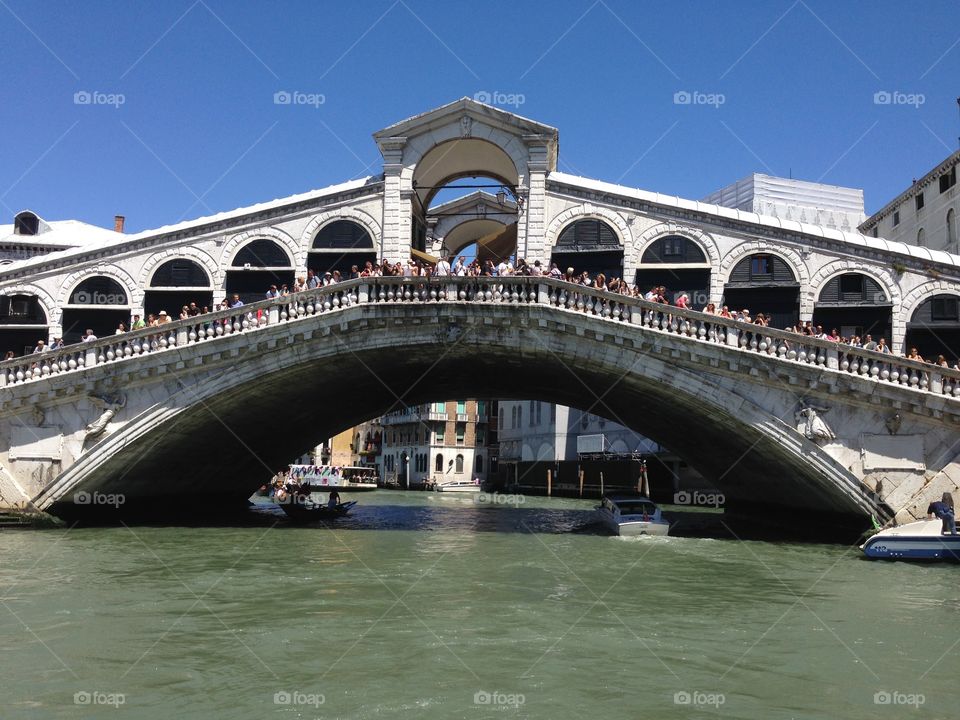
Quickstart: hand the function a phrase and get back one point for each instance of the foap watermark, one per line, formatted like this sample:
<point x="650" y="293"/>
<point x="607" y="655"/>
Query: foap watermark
<point x="496" y="97"/>
<point x="699" y="498"/>
<point x="500" y="700"/>
<point x="295" y="697"/>
<point x="84" y="297"/>
<point x="897" y="97"/>
<point x="95" y="97"/>
<point x="699" y="698"/>
<point x="83" y="497"/>
<point x="96" y="697"/>
<point x="695" y="97"/>
<point x="895" y="697"/>
<point x="295" y="97"/>
<point x="485" y="498"/>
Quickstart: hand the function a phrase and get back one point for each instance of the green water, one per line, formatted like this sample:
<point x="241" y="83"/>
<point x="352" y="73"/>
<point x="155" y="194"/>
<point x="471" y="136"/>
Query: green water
<point x="421" y="603"/>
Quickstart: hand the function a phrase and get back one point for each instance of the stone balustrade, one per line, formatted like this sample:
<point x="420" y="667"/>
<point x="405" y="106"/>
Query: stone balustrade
<point x="784" y="345"/>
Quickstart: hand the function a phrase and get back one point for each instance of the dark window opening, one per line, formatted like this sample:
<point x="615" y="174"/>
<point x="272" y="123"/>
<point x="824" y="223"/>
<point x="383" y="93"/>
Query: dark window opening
<point x="26" y="223"/>
<point x="262" y="253"/>
<point x="589" y="234"/>
<point x="180" y="273"/>
<point x="944" y="309"/>
<point x="343" y="235"/>
<point x="896" y="218"/>
<point x="948" y="180"/>
<point x="760" y="266"/>
<point x="851" y="283"/>
<point x="98" y="291"/>
<point x="919" y="201"/>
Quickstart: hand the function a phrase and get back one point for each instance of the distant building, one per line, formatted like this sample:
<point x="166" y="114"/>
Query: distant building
<point x="436" y="442"/>
<point x="925" y="215"/>
<point x="832" y="206"/>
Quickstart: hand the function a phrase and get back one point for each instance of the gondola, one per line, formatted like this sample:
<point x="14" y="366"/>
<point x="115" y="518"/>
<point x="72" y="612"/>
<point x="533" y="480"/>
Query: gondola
<point x="302" y="509"/>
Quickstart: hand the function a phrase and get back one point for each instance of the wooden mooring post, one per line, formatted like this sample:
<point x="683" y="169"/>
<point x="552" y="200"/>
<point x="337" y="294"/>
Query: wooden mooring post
<point x="549" y="483"/>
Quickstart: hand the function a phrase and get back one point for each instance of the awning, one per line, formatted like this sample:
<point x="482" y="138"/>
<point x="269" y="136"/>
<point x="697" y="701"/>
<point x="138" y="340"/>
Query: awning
<point x="426" y="257"/>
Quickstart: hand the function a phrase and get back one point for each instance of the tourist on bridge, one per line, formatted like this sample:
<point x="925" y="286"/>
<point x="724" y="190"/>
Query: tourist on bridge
<point x="235" y="301"/>
<point x="943" y="509"/>
<point x="88" y="336"/>
<point x="138" y="324"/>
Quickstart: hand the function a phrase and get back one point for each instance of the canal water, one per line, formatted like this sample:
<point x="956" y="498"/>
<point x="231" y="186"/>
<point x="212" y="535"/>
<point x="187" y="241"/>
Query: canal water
<point x="425" y="605"/>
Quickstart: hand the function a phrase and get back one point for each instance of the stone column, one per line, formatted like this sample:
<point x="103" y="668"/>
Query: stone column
<point x="395" y="233"/>
<point x="533" y="224"/>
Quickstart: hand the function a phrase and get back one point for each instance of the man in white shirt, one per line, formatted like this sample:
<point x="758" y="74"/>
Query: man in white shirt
<point x="443" y="268"/>
<point x="460" y="269"/>
<point x="88" y="336"/>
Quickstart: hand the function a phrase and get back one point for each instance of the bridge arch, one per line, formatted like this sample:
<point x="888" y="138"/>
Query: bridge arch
<point x="634" y="265"/>
<point x="296" y="254"/>
<point x="274" y="263"/>
<point x="930" y="332"/>
<point x="609" y="261"/>
<point x="21" y="327"/>
<point x="318" y="222"/>
<point x="875" y="313"/>
<point x="205" y="260"/>
<point x="782" y="301"/>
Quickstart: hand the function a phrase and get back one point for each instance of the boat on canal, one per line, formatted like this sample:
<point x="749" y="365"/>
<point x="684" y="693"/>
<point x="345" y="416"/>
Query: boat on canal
<point x="630" y="514"/>
<point x="302" y="508"/>
<point x="921" y="540"/>
<point x="342" y="477"/>
<point x="459" y="486"/>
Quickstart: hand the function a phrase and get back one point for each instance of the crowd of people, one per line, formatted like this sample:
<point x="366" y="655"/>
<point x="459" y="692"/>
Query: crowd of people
<point x="453" y="266"/>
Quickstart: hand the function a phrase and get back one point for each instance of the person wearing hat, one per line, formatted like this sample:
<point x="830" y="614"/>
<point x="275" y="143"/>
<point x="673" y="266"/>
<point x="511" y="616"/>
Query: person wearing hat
<point x="163" y="317"/>
<point x="272" y="292"/>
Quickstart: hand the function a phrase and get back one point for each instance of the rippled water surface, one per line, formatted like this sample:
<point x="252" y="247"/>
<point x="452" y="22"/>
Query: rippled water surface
<point x="431" y="606"/>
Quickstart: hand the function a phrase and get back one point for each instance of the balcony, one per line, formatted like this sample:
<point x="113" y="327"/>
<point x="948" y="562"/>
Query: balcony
<point x="402" y="418"/>
<point x="462" y="417"/>
<point x="433" y="415"/>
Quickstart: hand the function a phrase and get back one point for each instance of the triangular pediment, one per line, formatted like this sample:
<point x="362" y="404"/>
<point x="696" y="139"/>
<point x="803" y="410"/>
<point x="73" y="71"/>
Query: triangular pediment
<point x="444" y="115"/>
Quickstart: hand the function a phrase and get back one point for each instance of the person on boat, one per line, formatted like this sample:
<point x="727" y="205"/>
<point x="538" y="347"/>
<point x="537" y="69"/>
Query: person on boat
<point x="334" y="500"/>
<point x="943" y="509"/>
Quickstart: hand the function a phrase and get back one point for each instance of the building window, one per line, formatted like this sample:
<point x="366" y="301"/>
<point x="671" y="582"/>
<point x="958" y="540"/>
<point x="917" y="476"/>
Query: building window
<point x="439" y="407"/>
<point x="461" y="431"/>
<point x="587" y="234"/>
<point x="438" y="465"/>
<point x="851" y="283"/>
<point x="458" y="468"/>
<point x="674" y="247"/>
<point x="876" y="232"/>
<point x="948" y="180"/>
<point x="539" y="412"/>
<point x="921" y="239"/>
<point x="532" y="412"/>
<point x="944" y="309"/>
<point x="479" y="464"/>
<point x="760" y="266"/>
<point x="500" y="423"/>
<point x="441" y="427"/>
<point x="461" y="406"/>
<point x="919" y="201"/>
<point x="481" y="436"/>
<point x="896" y="218"/>
<point x="519" y="416"/>
<point x="513" y="417"/>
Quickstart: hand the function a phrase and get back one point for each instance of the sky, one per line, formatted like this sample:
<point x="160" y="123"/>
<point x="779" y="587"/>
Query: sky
<point x="166" y="111"/>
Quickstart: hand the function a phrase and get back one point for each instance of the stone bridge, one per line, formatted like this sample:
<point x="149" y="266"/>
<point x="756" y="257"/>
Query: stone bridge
<point x="203" y="411"/>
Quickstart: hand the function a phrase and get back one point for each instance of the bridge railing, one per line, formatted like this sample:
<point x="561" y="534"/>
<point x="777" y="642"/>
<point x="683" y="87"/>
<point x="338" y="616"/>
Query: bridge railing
<point x="782" y="344"/>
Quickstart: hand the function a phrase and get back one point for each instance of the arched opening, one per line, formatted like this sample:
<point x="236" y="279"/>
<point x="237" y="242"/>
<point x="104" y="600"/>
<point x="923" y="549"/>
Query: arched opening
<point x="765" y="283"/>
<point x="26" y="223"/>
<point x="438" y="463"/>
<point x="678" y="263"/>
<point x="98" y="303"/>
<point x="339" y="246"/>
<point x="934" y="328"/>
<point x="855" y="304"/>
<point x="256" y="266"/>
<point x="590" y="245"/>
<point x="453" y="171"/>
<point x="951" y="246"/>
<point x="175" y="284"/>
<point x="921" y="238"/>
<point x="458" y="465"/>
<point x="23" y="323"/>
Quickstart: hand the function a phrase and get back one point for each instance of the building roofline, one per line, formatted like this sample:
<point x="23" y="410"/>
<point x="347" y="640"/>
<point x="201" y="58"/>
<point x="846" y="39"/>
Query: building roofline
<point x="939" y="170"/>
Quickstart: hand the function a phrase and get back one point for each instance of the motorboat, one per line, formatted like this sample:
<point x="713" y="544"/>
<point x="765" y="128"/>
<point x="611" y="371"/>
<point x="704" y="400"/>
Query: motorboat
<point x="323" y="477"/>
<point x="461" y="486"/>
<point x="631" y="514"/>
<point x="921" y="540"/>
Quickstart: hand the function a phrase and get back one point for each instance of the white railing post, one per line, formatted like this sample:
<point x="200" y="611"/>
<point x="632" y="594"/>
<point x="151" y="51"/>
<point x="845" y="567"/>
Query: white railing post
<point x="273" y="315"/>
<point x="90" y="357"/>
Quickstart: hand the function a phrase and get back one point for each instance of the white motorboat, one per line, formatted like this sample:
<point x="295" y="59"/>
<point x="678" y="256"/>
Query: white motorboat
<point x="921" y="540"/>
<point x="631" y="514"/>
<point x="461" y="486"/>
<point x="322" y="477"/>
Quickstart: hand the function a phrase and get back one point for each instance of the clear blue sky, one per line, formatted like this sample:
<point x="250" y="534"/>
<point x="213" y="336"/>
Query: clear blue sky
<point x="198" y="118"/>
